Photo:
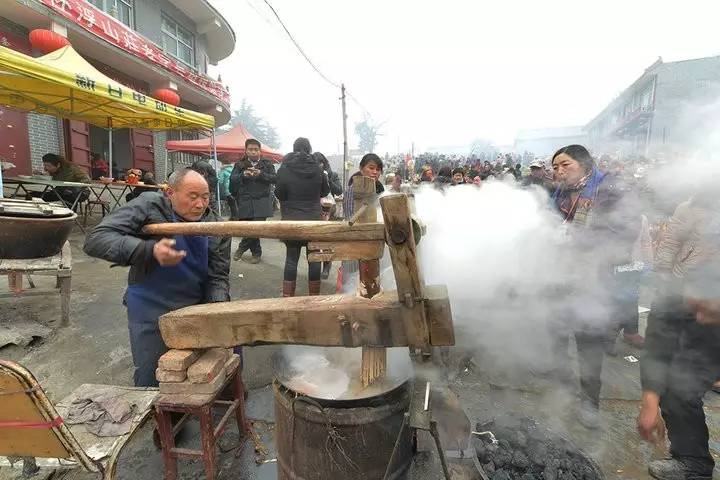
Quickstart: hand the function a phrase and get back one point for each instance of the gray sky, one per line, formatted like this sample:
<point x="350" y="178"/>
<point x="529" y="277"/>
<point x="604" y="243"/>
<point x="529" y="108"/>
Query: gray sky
<point x="445" y="73"/>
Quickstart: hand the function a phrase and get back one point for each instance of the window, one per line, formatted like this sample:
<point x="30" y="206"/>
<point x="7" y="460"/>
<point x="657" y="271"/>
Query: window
<point x="177" y="41"/>
<point x="120" y="9"/>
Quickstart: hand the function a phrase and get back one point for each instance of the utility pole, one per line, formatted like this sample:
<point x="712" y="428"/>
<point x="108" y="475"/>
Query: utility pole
<point x="345" y="138"/>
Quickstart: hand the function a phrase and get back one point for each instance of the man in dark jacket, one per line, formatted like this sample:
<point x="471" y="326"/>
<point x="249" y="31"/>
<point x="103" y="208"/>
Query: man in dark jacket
<point x="250" y="183"/>
<point x="165" y="274"/>
<point x="682" y="354"/>
<point x="300" y="186"/>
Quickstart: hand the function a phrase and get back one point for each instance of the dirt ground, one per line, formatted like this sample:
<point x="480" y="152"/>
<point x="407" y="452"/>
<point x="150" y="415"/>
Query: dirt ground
<point x="95" y="349"/>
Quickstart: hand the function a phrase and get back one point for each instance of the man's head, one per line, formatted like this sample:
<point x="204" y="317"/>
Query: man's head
<point x="189" y="194"/>
<point x="252" y="149"/>
<point x="371" y="166"/>
<point x="571" y="164"/>
<point x="537" y="169"/>
<point x="458" y="176"/>
<point x="51" y="162"/>
<point x="302" y="145"/>
<point x="397" y="182"/>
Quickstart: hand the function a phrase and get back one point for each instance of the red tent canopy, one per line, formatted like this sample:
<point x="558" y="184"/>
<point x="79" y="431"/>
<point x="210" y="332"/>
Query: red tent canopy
<point x="231" y="142"/>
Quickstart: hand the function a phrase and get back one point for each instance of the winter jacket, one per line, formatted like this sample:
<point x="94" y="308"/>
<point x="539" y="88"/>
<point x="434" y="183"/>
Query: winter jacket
<point x="224" y="180"/>
<point x="119" y="239"/>
<point x="300" y="186"/>
<point x="691" y="239"/>
<point x="70" y="172"/>
<point x="252" y="194"/>
<point x="335" y="184"/>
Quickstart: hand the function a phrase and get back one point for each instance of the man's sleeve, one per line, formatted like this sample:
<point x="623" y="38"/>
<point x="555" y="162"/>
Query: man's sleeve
<point x="218" y="286"/>
<point x="116" y="239"/>
<point x="678" y="231"/>
<point x="236" y="179"/>
<point x="267" y="174"/>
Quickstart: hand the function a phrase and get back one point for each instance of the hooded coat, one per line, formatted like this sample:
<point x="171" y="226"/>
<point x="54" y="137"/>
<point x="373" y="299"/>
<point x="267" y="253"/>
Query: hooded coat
<point x="301" y="184"/>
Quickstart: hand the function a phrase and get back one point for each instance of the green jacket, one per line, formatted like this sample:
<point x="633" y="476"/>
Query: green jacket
<point x="71" y="172"/>
<point x="224" y="180"/>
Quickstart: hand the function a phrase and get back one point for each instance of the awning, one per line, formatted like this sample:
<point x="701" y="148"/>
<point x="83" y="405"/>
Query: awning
<point x="231" y="142"/>
<point x="64" y="84"/>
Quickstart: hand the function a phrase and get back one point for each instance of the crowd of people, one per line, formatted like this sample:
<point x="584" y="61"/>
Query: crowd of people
<point x="598" y="202"/>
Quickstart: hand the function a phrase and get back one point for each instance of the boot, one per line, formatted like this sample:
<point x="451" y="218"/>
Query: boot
<point x="314" y="287"/>
<point x="288" y="289"/>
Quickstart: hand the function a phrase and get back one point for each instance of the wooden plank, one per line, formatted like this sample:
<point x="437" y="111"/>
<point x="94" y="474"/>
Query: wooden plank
<point x="325" y="320"/>
<point x="333" y="251"/>
<point x="401" y="244"/>
<point x="177" y="360"/>
<point x="170" y="375"/>
<point x="208" y="366"/>
<point x="373" y="363"/>
<point x="283" y="230"/>
<point x="439" y="316"/>
<point x="188" y="388"/>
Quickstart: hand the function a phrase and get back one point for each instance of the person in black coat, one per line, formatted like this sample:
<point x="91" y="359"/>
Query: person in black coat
<point x="301" y="184"/>
<point x="250" y="184"/>
<point x="208" y="172"/>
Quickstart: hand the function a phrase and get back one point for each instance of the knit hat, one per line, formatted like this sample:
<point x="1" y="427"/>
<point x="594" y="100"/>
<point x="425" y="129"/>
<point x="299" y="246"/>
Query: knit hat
<point x="302" y="144"/>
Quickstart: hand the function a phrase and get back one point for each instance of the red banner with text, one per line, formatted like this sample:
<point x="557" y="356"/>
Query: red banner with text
<point x="117" y="33"/>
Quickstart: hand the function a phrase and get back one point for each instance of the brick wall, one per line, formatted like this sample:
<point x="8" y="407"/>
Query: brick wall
<point x="44" y="134"/>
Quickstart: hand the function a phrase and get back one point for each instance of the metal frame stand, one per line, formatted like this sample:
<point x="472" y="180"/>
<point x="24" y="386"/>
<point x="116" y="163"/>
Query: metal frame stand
<point x="419" y="417"/>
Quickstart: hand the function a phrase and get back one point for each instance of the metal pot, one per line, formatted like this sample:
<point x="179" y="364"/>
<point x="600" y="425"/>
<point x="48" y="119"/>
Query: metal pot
<point x="33" y="229"/>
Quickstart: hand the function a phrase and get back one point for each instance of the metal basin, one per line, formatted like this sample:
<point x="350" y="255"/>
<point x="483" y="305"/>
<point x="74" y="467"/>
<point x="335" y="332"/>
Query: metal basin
<point x="27" y="237"/>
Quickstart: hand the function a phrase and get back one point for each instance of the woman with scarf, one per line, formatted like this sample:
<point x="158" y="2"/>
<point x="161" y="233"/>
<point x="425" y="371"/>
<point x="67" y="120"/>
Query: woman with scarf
<point x="301" y="184"/>
<point x="601" y="217"/>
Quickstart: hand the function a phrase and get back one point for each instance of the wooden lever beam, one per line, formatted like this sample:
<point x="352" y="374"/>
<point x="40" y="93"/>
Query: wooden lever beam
<point x="283" y="230"/>
<point x="325" y="320"/>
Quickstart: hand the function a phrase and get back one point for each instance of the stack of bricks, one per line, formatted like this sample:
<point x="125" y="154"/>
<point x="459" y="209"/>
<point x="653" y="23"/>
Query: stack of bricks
<point x="195" y="372"/>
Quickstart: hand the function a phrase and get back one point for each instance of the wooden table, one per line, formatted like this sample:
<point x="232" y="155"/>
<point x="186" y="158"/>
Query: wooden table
<point x="50" y="185"/>
<point x="123" y="187"/>
<point x="59" y="265"/>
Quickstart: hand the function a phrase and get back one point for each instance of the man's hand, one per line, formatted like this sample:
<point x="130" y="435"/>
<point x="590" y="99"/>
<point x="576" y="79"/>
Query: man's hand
<point x="707" y="312"/>
<point x="166" y="255"/>
<point x="650" y="423"/>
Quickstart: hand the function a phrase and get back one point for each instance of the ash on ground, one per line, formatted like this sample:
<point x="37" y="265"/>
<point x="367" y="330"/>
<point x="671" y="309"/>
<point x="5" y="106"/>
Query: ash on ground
<point x="522" y="449"/>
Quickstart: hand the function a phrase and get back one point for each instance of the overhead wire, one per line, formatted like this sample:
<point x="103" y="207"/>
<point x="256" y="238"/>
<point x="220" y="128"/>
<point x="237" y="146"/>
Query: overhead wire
<point x="310" y="62"/>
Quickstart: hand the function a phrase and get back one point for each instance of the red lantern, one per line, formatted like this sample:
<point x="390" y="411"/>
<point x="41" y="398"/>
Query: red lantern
<point x="47" y="41"/>
<point x="168" y="96"/>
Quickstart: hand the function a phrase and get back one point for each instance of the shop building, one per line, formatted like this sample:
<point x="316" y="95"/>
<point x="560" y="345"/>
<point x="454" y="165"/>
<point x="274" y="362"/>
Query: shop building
<point x="146" y="45"/>
<point x="671" y="109"/>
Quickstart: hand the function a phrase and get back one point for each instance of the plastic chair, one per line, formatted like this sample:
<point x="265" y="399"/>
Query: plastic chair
<point x="31" y="427"/>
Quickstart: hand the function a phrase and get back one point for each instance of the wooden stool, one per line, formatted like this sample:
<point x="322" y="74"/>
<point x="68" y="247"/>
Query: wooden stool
<point x="202" y="407"/>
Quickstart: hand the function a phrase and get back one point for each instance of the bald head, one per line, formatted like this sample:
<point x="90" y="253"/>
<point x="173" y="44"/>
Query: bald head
<point x="189" y="194"/>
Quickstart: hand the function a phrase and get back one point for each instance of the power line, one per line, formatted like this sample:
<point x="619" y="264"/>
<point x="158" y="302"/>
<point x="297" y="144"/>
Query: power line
<point x="297" y="45"/>
<point x="302" y="52"/>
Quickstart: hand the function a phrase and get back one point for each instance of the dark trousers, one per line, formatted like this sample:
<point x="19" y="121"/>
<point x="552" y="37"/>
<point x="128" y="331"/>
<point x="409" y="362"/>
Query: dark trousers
<point x="626" y="285"/>
<point x="591" y="347"/>
<point x="292" y="258"/>
<point x="147" y="347"/>
<point x="252" y="244"/>
<point x="693" y="366"/>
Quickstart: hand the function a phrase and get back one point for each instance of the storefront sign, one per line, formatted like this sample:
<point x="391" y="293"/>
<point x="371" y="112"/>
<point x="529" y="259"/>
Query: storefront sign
<point x="115" y="32"/>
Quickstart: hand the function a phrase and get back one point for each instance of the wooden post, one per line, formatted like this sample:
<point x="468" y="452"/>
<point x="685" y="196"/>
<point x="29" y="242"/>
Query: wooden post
<point x="374" y="360"/>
